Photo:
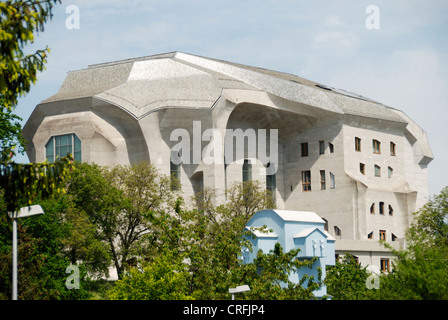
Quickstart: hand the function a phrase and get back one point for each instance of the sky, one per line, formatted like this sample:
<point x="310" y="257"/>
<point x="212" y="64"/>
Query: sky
<point x="401" y="62"/>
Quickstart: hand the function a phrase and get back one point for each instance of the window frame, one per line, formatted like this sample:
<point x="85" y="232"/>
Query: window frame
<point x="362" y="168"/>
<point x="323" y="182"/>
<point x="306" y="180"/>
<point x="357" y="144"/>
<point x="321" y="147"/>
<point x="75" y="147"/>
<point x="246" y="170"/>
<point x="382" y="235"/>
<point x="304" y="149"/>
<point x="385" y="264"/>
<point x="375" y="170"/>
<point x="392" y="149"/>
<point x="332" y="181"/>
<point x="376" y="146"/>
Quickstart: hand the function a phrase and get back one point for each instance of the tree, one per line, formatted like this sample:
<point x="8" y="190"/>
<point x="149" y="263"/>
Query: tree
<point x="165" y="278"/>
<point x="43" y="255"/>
<point x="420" y="272"/>
<point x="19" y="21"/>
<point x="12" y="140"/>
<point x="121" y="201"/>
<point x="346" y="280"/>
<point x="209" y="241"/>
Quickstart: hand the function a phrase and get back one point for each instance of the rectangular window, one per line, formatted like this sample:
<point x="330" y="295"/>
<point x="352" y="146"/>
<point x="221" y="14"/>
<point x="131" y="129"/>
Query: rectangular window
<point x="357" y="144"/>
<point x="175" y="175"/>
<point x="321" y="147"/>
<point x="372" y="208"/>
<point x="370" y="235"/>
<point x="63" y="145"/>
<point x="332" y="181"/>
<point x="331" y="147"/>
<point x="362" y="168"/>
<point x="322" y="180"/>
<point x="381" y="207"/>
<point x="76" y="148"/>
<point x="271" y="183"/>
<point x="384" y="264"/>
<point x="304" y="149"/>
<point x="392" y="148"/>
<point x="376" y="146"/>
<point x="306" y="180"/>
<point x="377" y="171"/>
<point x="49" y="150"/>
<point x="247" y="170"/>
<point x="383" y="235"/>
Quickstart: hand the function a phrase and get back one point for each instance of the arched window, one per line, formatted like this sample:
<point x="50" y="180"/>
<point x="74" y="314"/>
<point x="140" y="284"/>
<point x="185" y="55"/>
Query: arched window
<point x="61" y="146"/>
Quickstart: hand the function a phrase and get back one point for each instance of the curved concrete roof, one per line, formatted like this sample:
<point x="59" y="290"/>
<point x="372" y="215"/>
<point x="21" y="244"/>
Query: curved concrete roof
<point x="143" y="85"/>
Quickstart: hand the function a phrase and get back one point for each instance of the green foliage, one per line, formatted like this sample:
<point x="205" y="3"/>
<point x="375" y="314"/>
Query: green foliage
<point x="42" y="257"/>
<point x="346" y="280"/>
<point x="120" y="201"/>
<point x="22" y="183"/>
<point x="12" y="140"/>
<point x="165" y="278"/>
<point x="19" y="21"/>
<point x="420" y="271"/>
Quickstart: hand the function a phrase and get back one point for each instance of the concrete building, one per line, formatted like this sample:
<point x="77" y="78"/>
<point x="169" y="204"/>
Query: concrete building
<point x="293" y="230"/>
<point x="360" y="165"/>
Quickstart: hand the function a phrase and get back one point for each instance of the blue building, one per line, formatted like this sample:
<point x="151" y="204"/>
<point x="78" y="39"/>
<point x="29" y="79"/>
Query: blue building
<point x="302" y="230"/>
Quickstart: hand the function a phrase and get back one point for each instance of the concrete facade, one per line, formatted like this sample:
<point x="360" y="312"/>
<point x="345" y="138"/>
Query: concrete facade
<point x="128" y="111"/>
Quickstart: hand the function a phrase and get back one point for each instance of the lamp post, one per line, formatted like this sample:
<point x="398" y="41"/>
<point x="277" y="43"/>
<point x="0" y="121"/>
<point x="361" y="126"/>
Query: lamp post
<point x="23" y="212"/>
<point x="238" y="289"/>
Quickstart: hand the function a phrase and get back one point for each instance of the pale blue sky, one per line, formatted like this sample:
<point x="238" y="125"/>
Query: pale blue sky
<point x="403" y="64"/>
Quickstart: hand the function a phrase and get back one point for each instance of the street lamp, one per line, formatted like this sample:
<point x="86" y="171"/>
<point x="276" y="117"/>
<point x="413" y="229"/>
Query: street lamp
<point x="23" y="212"/>
<point x="238" y="289"/>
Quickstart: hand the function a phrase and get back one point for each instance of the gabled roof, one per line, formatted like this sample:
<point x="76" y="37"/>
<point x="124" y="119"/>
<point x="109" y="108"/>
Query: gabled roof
<point x="306" y="232"/>
<point x="298" y="216"/>
<point x="262" y="234"/>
